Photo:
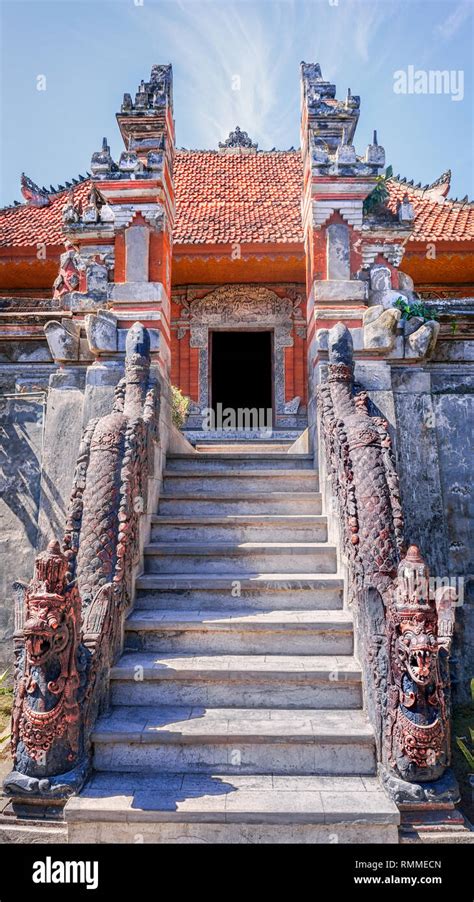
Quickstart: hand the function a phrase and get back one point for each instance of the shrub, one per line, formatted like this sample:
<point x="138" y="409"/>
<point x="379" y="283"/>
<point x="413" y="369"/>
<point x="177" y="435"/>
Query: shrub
<point x="179" y="407"/>
<point x="415" y="308"/>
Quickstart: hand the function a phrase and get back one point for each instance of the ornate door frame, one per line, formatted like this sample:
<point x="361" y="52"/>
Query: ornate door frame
<point x="243" y="307"/>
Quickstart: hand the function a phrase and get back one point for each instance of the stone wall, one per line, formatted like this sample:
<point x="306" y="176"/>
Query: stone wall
<point x="21" y="431"/>
<point x="430" y="409"/>
<point x="434" y="409"/>
<point x="429" y="405"/>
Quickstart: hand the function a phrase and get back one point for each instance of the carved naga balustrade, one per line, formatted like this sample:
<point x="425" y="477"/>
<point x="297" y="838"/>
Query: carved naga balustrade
<point x="69" y="623"/>
<point x="404" y="627"/>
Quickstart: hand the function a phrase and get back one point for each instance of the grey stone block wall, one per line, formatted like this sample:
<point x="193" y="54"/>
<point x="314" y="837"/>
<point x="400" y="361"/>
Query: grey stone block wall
<point x="434" y="415"/>
<point x="21" y="431"/>
<point x="40" y="432"/>
<point x="430" y="410"/>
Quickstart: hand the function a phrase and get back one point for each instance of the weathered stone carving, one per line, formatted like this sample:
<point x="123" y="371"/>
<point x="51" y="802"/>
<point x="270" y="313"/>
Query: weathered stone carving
<point x="70" y="211"/>
<point x="419" y="642"/>
<point x="241" y="303"/>
<point x="101" y="331"/>
<point x="69" y="276"/>
<point x="421" y="342"/>
<point x="383" y="328"/>
<point x="151" y="94"/>
<point x="380" y="327"/>
<point x="329" y="126"/>
<point x="405" y="210"/>
<point x="47" y="732"/>
<point x="74" y="605"/>
<point x="404" y="638"/>
<point x="237" y="140"/>
<point x="91" y="211"/>
<point x="102" y="164"/>
<point x="63" y="339"/>
<point x="109" y="494"/>
<point x="95" y="212"/>
<point x="82" y="277"/>
<point x="34" y="196"/>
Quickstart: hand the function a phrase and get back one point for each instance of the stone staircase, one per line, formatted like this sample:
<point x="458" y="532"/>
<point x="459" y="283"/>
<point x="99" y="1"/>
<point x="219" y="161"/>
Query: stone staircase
<point x="236" y="707"/>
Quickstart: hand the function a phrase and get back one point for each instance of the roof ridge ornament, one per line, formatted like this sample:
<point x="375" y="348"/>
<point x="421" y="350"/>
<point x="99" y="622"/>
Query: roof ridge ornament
<point x="34" y="196"/>
<point x="436" y="191"/>
<point x="237" y="142"/>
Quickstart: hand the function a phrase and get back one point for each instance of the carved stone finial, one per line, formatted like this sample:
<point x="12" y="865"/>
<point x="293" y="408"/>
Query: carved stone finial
<point x="137" y="341"/>
<point x="413" y="556"/>
<point x="340" y="345"/>
<point x="91" y="212"/>
<point x="238" y="140"/>
<point x="70" y="212"/>
<point x="101" y="161"/>
<point x="326" y="116"/>
<point x="143" y="120"/>
<point x="405" y="210"/>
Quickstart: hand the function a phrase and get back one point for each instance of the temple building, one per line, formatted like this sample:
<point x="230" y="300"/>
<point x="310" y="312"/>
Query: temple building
<point x="317" y="313"/>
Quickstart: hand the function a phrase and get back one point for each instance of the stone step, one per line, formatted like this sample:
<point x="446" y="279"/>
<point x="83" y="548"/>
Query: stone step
<point x="234" y="740"/>
<point x="247" y="557"/>
<point x="289" y="681"/>
<point x="239" y="632"/>
<point x="183" y="592"/>
<point x="227" y="443"/>
<point x="232" y="460"/>
<point x="235" y="808"/>
<point x="243" y="528"/>
<point x="202" y="504"/>
<point x="239" y="482"/>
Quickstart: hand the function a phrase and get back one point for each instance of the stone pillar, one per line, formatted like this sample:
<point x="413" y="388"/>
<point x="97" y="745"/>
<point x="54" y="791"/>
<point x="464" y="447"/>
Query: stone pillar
<point x="123" y="237"/>
<point x="336" y="182"/>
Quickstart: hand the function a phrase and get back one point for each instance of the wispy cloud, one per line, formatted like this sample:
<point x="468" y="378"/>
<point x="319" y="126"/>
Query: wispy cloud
<point x="225" y="55"/>
<point x="451" y="25"/>
<point x="368" y="18"/>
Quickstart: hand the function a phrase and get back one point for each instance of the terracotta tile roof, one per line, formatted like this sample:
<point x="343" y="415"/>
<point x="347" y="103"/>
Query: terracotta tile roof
<point x="437" y="218"/>
<point x="255" y="198"/>
<point x="26" y="226"/>
<point x="247" y="198"/>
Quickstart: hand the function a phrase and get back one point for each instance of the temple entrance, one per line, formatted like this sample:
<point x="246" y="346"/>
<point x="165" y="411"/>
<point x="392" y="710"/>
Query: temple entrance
<point x="241" y="377"/>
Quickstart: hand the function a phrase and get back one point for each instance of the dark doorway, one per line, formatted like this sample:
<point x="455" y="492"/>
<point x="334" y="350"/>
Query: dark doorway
<point x="241" y="370"/>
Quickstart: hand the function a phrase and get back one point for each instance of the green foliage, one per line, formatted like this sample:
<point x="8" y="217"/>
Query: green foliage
<point x="379" y="196"/>
<point x="466" y="744"/>
<point x="415" y="308"/>
<point x="6" y="702"/>
<point x="463" y="752"/>
<point x="179" y="407"/>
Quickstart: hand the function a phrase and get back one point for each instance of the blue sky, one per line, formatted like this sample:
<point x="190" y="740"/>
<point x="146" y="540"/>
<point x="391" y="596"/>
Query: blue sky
<point x="91" y="52"/>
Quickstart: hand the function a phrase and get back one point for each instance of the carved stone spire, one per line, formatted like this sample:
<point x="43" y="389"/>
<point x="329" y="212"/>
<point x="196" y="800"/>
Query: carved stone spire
<point x="144" y="121"/>
<point x="328" y="117"/>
